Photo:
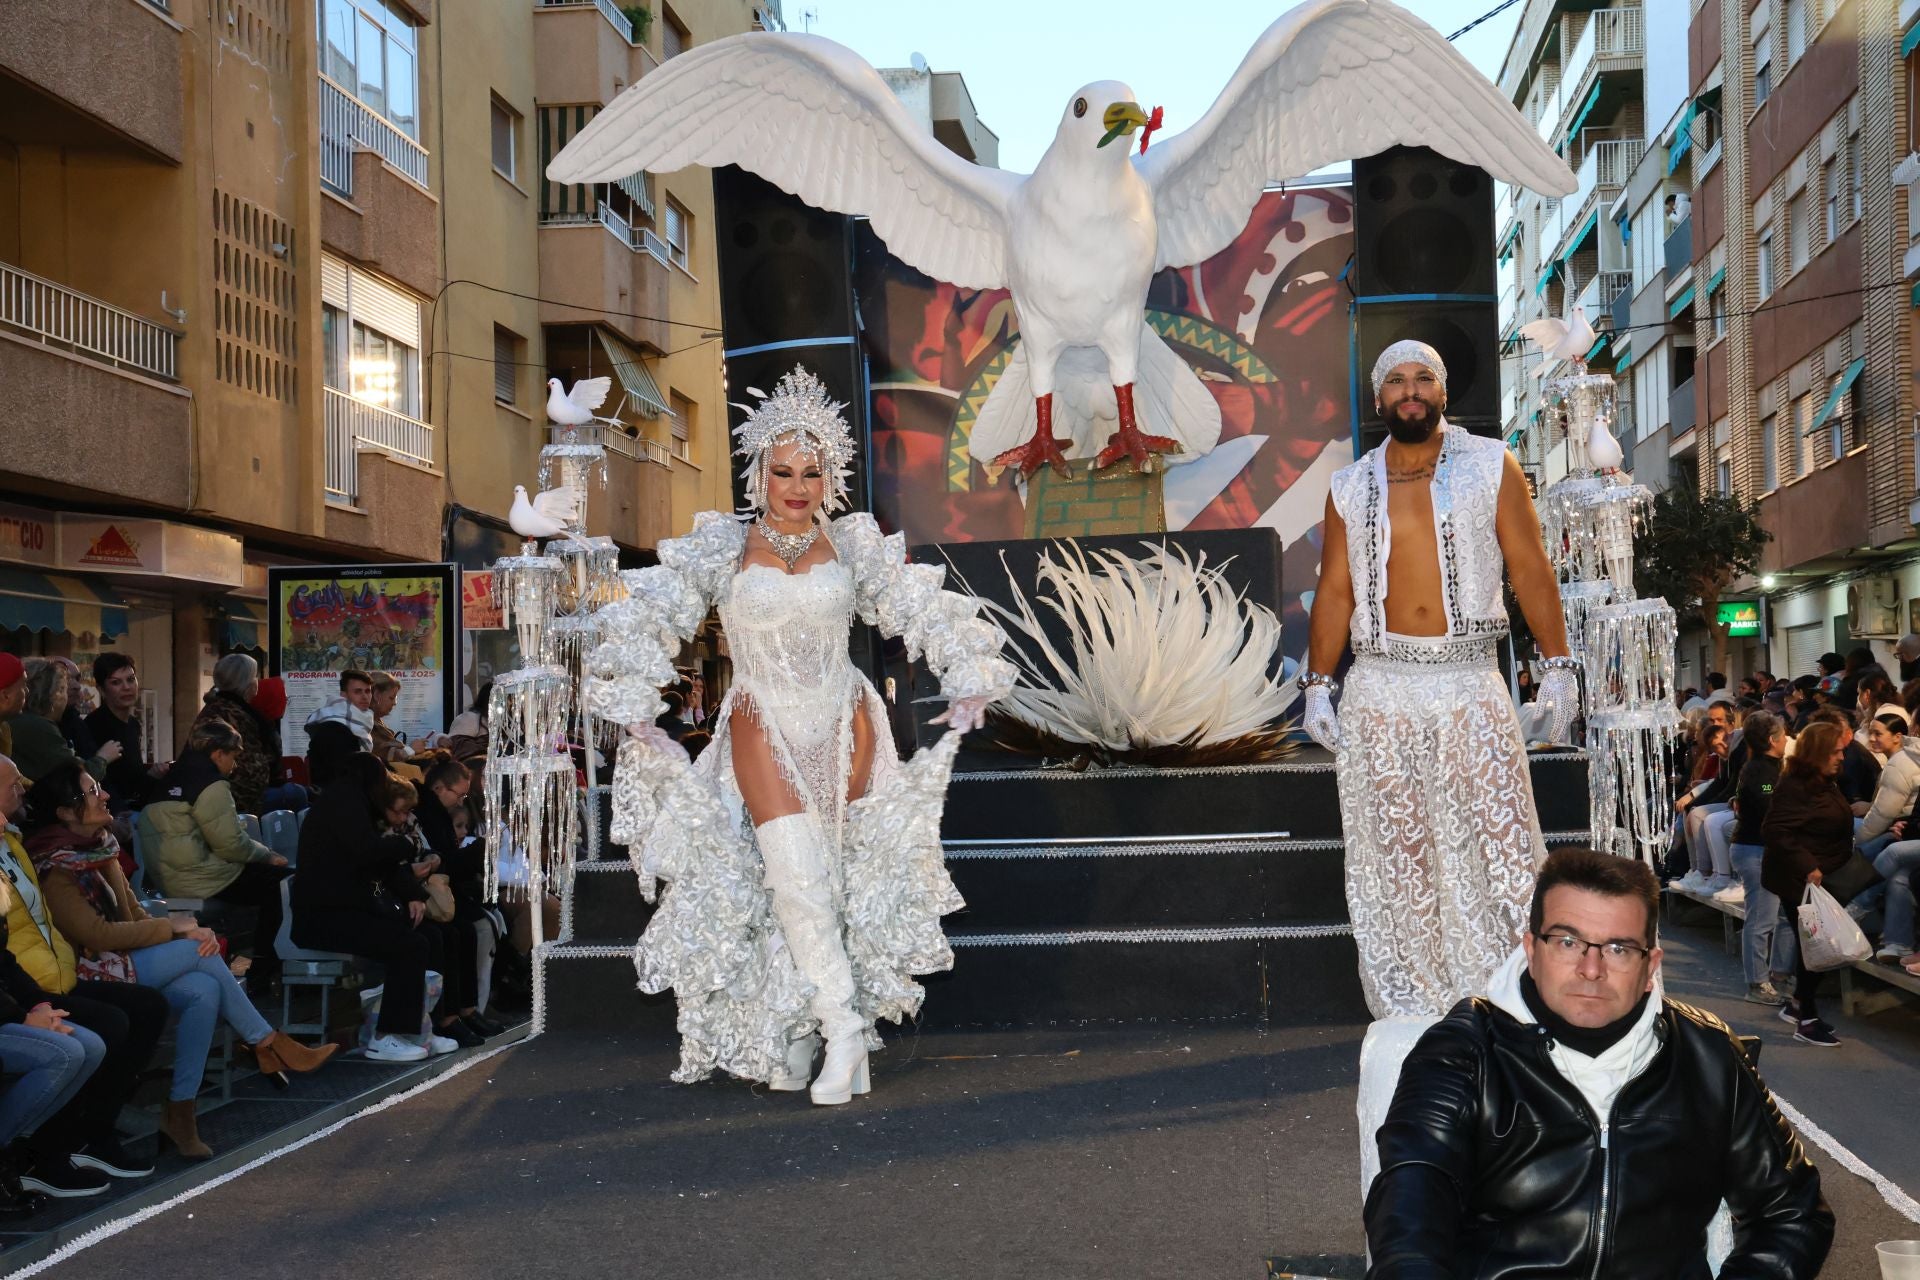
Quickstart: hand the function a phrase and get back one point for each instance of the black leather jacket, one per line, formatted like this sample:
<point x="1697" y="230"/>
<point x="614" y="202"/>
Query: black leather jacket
<point x="1492" y="1164"/>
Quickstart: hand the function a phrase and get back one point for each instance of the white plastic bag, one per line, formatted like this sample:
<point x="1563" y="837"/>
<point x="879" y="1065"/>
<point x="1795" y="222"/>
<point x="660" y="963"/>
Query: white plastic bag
<point x="1829" y="938"/>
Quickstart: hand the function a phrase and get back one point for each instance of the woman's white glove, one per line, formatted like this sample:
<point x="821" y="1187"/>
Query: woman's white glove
<point x="964" y="714"/>
<point x="1321" y="724"/>
<point x="1559" y="697"/>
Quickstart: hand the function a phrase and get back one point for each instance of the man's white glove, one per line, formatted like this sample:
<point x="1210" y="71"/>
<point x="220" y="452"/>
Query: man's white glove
<point x="1321" y="724"/>
<point x="1559" y="697"/>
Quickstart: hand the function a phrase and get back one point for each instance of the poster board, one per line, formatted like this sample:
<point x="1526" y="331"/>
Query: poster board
<point x="400" y="618"/>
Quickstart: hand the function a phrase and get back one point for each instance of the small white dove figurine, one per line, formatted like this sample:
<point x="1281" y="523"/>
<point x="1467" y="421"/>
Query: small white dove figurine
<point x="1568" y="339"/>
<point x="575" y="408"/>
<point x="1603" y="451"/>
<point x="548" y="515"/>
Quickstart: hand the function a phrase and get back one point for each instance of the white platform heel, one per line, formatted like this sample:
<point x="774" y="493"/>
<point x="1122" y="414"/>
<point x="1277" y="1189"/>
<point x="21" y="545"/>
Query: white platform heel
<point x="799" y="1068"/>
<point x="794" y="856"/>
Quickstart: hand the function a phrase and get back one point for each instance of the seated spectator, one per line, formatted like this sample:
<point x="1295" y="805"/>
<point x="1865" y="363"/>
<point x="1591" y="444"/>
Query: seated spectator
<point x="447" y="826"/>
<point x="387" y="744"/>
<point x="130" y="780"/>
<point x="1877" y="698"/>
<point x="339" y="905"/>
<point x="335" y="734"/>
<point x="13" y="698"/>
<point x="198" y="848"/>
<point x="80" y="704"/>
<point x="1807" y="838"/>
<point x="1770" y="942"/>
<point x="87" y="895"/>
<point x="1899" y="781"/>
<point x="70" y="1154"/>
<point x="50" y="1059"/>
<point x="1492" y="1161"/>
<point x="236" y="679"/>
<point x="456" y="959"/>
<point x="1709" y="828"/>
<point x="269" y="702"/>
<point x="1859" y="771"/>
<point x="38" y="744"/>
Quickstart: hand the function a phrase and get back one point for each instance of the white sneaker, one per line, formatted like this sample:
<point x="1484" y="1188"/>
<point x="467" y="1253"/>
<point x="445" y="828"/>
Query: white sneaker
<point x="392" y="1048"/>
<point x="1692" y="882"/>
<point x="1729" y="891"/>
<point x="437" y="1045"/>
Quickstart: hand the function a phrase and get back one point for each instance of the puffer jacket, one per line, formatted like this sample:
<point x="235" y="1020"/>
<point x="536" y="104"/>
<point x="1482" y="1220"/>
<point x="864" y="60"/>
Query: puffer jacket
<point x="1893" y="798"/>
<point x="191" y="836"/>
<point x="1493" y="1163"/>
<point x="46" y="956"/>
<point x="254" y="772"/>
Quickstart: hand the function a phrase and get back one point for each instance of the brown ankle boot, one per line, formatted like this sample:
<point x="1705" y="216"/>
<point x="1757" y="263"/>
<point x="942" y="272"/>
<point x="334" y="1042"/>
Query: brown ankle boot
<point x="280" y="1053"/>
<point x="178" y="1127"/>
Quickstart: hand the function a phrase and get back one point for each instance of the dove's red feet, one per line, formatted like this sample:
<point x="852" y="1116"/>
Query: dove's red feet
<point x="1044" y="450"/>
<point x="1128" y="441"/>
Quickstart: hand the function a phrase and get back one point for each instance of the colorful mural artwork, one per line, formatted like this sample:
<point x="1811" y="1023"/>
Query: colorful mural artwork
<point x="1264" y="323"/>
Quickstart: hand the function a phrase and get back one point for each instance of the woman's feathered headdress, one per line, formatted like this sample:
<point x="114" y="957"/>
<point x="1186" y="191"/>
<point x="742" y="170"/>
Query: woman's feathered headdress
<point x="798" y="409"/>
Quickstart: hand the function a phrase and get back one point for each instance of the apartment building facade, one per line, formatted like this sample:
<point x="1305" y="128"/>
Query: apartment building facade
<point x="274" y="290"/>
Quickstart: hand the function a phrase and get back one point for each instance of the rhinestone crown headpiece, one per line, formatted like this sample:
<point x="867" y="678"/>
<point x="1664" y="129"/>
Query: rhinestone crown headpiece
<point x="798" y="409"/>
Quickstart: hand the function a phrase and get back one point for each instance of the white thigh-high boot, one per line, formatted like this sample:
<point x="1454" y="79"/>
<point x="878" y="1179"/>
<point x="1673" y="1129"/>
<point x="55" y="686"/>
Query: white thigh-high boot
<point x="794" y="855"/>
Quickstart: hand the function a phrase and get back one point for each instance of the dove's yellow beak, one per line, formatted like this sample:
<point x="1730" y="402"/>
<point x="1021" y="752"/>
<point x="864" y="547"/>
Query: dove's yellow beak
<point x="1121" y="119"/>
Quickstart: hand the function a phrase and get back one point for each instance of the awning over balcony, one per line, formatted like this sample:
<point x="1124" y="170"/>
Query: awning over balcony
<point x="1682" y="136"/>
<point x="245" y="622"/>
<point x="1599" y="345"/>
<point x="1586" y="109"/>
<point x="1839" y="392"/>
<point x="1680" y="303"/>
<point x="57" y="602"/>
<point x="579" y="199"/>
<point x="1587" y="228"/>
<point x="1910" y="41"/>
<point x="1623" y="354"/>
<point x="631" y="370"/>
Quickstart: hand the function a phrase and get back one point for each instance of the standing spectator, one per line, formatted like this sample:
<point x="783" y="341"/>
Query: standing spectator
<point x="197" y="847"/>
<point x="236" y="679"/>
<point x="1847" y="695"/>
<point x="130" y="780"/>
<point x="1832" y="667"/>
<point x="1770" y="945"/>
<point x="387" y="744"/>
<point x="1907" y="652"/>
<point x="1807" y="838"/>
<point x="71" y="1151"/>
<point x="38" y="744"/>
<point x="337" y="905"/>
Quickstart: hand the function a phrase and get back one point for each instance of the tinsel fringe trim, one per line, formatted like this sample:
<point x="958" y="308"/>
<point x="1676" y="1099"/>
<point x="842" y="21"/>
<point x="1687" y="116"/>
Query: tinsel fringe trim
<point x="1223" y="933"/>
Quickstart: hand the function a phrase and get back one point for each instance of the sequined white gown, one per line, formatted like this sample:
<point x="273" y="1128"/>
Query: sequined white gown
<point x="714" y="939"/>
<point x="1436" y="801"/>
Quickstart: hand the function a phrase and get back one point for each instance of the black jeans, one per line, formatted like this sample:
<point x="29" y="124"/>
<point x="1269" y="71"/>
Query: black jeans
<point x="258" y="886"/>
<point x="129" y="1019"/>
<point x="383" y="934"/>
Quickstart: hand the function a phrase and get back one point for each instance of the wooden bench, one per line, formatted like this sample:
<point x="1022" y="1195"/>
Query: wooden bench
<point x="1854" y="1001"/>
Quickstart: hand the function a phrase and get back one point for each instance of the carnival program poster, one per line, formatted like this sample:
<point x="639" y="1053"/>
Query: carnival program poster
<point x="403" y="619"/>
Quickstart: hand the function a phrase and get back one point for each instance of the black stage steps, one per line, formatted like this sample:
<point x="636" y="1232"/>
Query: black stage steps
<point x="1112" y="895"/>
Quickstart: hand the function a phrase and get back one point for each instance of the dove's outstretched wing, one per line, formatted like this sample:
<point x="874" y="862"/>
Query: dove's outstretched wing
<point x="1547" y="333"/>
<point x="560" y="504"/>
<point x="1329" y="81"/>
<point x="813" y="118"/>
<point x="590" y="393"/>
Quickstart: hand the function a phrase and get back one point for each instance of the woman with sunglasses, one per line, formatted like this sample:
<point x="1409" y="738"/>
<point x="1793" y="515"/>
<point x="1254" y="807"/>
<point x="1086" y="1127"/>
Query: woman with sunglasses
<point x="77" y="859"/>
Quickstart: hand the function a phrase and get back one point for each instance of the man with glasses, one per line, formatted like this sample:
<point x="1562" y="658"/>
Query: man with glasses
<point x="1575" y="1122"/>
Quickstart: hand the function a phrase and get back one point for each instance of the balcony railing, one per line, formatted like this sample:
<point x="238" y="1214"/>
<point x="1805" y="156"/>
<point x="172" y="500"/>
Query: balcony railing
<point x="1598" y="295"/>
<point x="1680" y="409"/>
<point x="352" y="424"/>
<point x="611" y="12"/>
<point x="1549" y="124"/>
<point x="346" y="124"/>
<point x="1610" y="34"/>
<point x="1679" y="248"/>
<point x="638" y="239"/>
<point x="64" y="317"/>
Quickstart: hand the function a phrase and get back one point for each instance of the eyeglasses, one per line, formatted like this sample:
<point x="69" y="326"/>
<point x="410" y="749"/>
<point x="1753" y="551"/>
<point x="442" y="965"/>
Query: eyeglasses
<point x="92" y="793"/>
<point x="1616" y="953"/>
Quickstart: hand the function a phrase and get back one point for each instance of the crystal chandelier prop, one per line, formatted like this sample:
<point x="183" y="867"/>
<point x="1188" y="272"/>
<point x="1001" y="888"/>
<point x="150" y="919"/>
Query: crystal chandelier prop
<point x="1625" y="644"/>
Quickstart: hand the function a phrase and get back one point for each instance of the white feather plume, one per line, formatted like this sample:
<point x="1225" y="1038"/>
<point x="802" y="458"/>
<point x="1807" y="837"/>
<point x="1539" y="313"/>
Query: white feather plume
<point x="1163" y="652"/>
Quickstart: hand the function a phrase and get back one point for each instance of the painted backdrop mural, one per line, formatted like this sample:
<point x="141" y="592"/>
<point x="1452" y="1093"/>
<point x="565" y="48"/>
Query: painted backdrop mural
<point x="1264" y="323"/>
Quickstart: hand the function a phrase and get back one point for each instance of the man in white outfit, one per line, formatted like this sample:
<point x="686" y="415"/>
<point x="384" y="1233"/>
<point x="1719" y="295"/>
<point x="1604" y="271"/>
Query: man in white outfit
<point x="1436" y="801"/>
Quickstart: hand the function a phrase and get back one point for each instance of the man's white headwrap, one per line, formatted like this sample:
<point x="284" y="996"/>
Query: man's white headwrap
<point x="1407" y="351"/>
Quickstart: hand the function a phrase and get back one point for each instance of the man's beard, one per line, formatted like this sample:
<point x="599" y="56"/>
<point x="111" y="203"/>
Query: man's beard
<point x="1413" y="430"/>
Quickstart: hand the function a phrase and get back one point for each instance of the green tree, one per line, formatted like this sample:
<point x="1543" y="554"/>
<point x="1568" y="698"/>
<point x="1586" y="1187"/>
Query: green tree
<point x="1694" y="546"/>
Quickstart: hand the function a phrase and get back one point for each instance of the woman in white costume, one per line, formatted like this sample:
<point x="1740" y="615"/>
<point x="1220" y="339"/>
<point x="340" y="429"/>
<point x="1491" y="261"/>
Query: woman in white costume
<point x="804" y="881"/>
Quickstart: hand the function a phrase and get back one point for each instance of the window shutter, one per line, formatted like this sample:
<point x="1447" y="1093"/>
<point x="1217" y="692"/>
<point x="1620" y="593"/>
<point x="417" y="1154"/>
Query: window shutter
<point x="506" y="372"/>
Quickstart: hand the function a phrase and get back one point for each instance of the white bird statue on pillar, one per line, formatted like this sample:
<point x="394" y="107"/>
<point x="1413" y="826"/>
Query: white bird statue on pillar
<point x="1078" y="241"/>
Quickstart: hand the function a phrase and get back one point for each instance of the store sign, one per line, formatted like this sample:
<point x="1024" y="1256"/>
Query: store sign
<point x="28" y="536"/>
<point x="1741" y="618"/>
<point x="152" y="548"/>
<point x="479" y="609"/>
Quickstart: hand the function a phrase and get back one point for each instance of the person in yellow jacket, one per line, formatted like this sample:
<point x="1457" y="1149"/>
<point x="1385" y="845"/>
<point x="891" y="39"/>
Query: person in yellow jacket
<point x="76" y="1151"/>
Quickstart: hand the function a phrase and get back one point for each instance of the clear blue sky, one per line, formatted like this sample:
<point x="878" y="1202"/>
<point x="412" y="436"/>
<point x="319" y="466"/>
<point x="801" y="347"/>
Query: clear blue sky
<point x="1022" y="58"/>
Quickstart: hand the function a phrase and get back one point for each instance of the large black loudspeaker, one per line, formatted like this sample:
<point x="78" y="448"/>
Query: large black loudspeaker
<point x="786" y="298"/>
<point x="1424" y="268"/>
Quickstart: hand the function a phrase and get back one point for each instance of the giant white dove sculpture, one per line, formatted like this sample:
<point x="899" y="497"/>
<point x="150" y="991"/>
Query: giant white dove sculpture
<point x="1078" y="240"/>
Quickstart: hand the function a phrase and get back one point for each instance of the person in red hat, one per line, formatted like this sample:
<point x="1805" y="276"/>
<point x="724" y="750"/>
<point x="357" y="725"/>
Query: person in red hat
<point x="13" y="698"/>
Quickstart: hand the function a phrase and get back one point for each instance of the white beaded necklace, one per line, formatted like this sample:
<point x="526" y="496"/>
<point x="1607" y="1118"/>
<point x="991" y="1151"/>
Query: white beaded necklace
<point x="788" y="546"/>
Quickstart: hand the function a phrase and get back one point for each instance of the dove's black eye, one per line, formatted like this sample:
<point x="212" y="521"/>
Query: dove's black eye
<point x="1079" y="107"/>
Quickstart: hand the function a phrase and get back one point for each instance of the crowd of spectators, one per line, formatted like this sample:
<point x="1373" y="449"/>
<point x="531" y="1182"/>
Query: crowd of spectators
<point x="1798" y="781"/>
<point x="95" y="967"/>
